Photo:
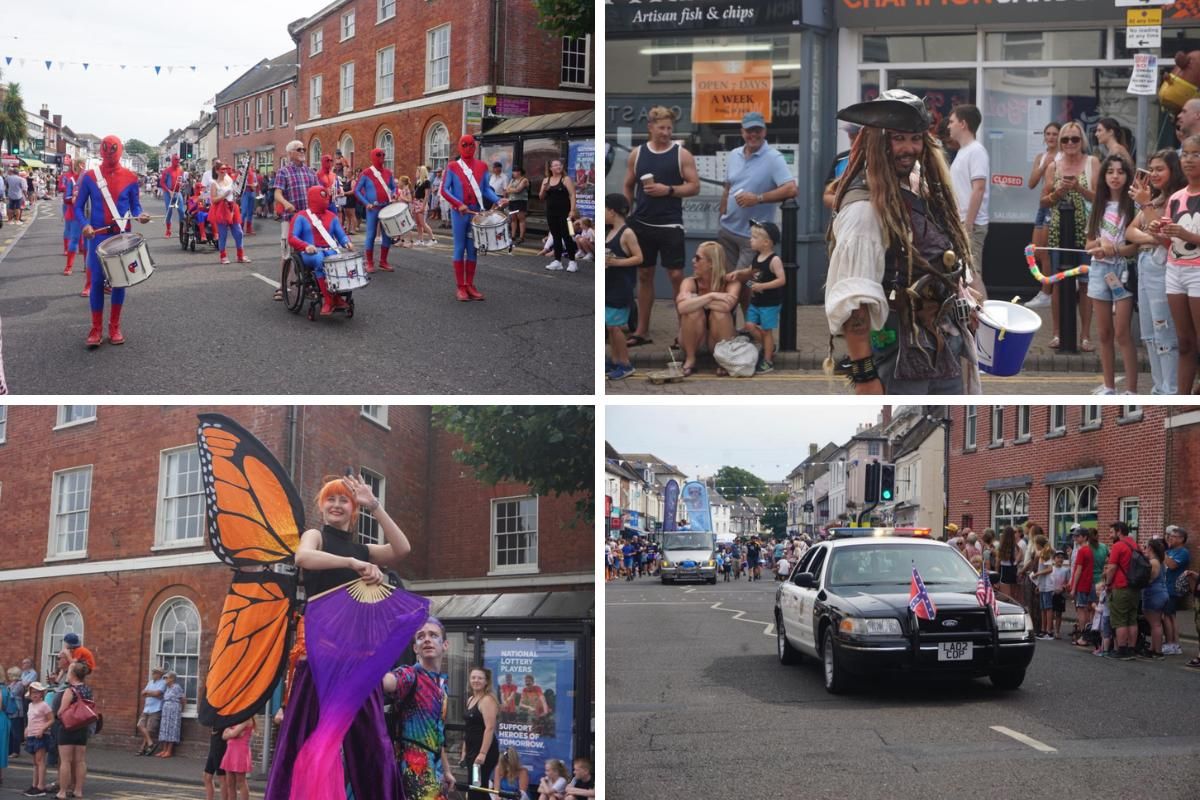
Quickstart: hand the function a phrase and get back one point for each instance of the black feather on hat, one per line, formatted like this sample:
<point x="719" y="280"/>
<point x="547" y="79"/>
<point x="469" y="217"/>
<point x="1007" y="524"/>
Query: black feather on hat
<point x="895" y="110"/>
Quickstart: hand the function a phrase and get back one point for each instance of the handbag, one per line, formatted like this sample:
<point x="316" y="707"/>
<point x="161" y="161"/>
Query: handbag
<point x="737" y="356"/>
<point x="80" y="714"/>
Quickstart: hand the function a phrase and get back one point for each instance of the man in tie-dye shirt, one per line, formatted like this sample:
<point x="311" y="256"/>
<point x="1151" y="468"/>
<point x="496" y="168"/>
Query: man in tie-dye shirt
<point x="420" y="692"/>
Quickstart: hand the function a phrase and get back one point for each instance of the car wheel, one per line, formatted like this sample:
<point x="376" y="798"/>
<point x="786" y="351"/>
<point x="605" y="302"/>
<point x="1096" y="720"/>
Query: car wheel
<point x="666" y="582"/>
<point x="783" y="648"/>
<point x="712" y="581"/>
<point x="836" y="680"/>
<point x="1007" y="680"/>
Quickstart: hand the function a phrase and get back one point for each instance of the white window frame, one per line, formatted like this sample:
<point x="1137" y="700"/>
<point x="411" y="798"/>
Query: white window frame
<point x="52" y="640"/>
<point x="434" y="160"/>
<point x="346" y="95"/>
<point x="63" y="422"/>
<point x="380" y="7"/>
<point x="997" y="424"/>
<point x="347" y="26"/>
<point x="587" y="61"/>
<point x="1126" y="504"/>
<point x="347" y="147"/>
<point x="237" y="119"/>
<point x="283" y="108"/>
<point x="316" y="42"/>
<point x="970" y="427"/>
<point x="386" y="141"/>
<point x="1061" y="426"/>
<point x="161" y="540"/>
<point x="246" y="117"/>
<point x="385" y="83"/>
<point x="3" y="424"/>
<point x="377" y="414"/>
<point x="171" y="660"/>
<point x="1090" y="416"/>
<point x="258" y="108"/>
<point x="378" y="484"/>
<point x="514" y="569"/>
<point x="315" y="89"/>
<point x="314" y="153"/>
<point x="226" y="122"/>
<point x="432" y="58"/>
<point x="271" y="111"/>
<point x="1009" y="507"/>
<point x="52" y="551"/>
<point x="1072" y="493"/>
<point x="1024" y="417"/>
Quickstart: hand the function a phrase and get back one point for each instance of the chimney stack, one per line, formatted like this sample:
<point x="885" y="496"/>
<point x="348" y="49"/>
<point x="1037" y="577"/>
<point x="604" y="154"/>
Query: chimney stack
<point x="45" y="112"/>
<point x="58" y="120"/>
<point x="887" y="416"/>
<point x="812" y="449"/>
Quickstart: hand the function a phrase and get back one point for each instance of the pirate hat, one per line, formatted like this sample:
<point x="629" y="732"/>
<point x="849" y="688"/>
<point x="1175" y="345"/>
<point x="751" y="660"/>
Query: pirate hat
<point x="895" y="110"/>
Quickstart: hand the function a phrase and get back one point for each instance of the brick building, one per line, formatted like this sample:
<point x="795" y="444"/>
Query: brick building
<point x="411" y="76"/>
<point x="256" y="114"/>
<point x="1060" y="465"/>
<point x="105" y="537"/>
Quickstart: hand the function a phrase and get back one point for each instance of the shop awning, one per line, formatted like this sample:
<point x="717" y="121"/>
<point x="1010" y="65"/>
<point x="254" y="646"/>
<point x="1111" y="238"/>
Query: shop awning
<point x="544" y="123"/>
<point x="33" y="163"/>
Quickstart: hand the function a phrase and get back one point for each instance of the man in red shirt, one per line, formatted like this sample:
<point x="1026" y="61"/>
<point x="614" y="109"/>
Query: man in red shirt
<point x="1081" y="584"/>
<point x="1122" y="600"/>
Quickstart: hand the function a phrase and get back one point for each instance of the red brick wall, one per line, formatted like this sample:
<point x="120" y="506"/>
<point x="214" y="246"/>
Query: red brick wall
<point x="1133" y="456"/>
<point x="1182" y="478"/>
<point x="232" y="148"/>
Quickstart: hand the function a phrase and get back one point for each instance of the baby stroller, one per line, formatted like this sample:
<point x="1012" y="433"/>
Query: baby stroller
<point x="189" y="233"/>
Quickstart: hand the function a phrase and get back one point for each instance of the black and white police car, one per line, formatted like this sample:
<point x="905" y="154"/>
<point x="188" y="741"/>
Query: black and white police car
<point x="847" y="603"/>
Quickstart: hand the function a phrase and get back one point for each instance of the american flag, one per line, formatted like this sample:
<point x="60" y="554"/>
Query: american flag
<point x="984" y="593"/>
<point x="918" y="599"/>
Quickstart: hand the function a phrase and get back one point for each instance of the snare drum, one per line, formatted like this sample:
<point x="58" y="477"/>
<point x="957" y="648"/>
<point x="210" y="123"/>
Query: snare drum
<point x="344" y="272"/>
<point x="491" y="230"/>
<point x="125" y="259"/>
<point x="396" y="219"/>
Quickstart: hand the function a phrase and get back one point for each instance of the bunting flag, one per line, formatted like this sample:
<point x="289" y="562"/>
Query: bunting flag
<point x="8" y="59"/>
<point x="48" y="63"/>
<point x="157" y="70"/>
<point x="85" y="66"/>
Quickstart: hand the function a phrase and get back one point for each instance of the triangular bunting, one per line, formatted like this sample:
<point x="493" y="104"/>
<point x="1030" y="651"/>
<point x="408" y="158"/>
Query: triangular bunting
<point x="8" y="59"/>
<point x="170" y="70"/>
<point x="85" y="66"/>
<point x="48" y="65"/>
<point x="193" y="68"/>
<point x="157" y="70"/>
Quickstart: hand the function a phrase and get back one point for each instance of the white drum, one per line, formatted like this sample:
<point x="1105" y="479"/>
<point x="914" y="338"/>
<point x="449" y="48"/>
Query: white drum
<point x="490" y="229"/>
<point x="396" y="219"/>
<point x="344" y="272"/>
<point x="125" y="259"/>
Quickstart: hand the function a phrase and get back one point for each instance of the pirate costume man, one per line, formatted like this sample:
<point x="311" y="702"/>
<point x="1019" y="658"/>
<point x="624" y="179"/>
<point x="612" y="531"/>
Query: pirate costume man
<point x="898" y="262"/>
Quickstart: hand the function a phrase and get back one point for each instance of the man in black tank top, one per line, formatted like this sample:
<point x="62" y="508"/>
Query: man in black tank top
<point x="669" y="173"/>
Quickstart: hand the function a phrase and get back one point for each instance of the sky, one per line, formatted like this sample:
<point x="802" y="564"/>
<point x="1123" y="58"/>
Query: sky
<point x="135" y="102"/>
<point x="766" y="440"/>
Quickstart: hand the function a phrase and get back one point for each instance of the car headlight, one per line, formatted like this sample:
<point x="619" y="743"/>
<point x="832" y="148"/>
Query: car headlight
<point x="1010" y="623"/>
<point x="712" y="563"/>
<point x="870" y="627"/>
<point x="666" y="563"/>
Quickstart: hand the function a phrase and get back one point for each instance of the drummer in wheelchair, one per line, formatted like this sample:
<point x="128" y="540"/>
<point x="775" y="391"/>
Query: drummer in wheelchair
<point x="197" y="209"/>
<point x="313" y="236"/>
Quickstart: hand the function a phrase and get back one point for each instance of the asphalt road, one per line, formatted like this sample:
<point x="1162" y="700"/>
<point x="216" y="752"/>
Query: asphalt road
<point x="97" y="786"/>
<point x="197" y="327"/>
<point x="698" y="705"/>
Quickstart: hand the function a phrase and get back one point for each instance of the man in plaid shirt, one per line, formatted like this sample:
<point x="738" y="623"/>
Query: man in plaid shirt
<point x="291" y="193"/>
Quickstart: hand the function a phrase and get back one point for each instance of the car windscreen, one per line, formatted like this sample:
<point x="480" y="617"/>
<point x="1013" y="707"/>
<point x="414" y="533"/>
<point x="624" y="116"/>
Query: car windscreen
<point x="687" y="541"/>
<point x="889" y="566"/>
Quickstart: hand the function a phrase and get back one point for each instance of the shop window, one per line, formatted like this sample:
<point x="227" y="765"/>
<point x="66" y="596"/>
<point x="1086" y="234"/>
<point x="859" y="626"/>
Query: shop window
<point x="180" y="498"/>
<point x="385" y="142"/>
<point x="71" y="501"/>
<point x="176" y="641"/>
<point x="514" y="535"/>
<point x="437" y="148"/>
<point x="368" y="526"/>
<point x="74" y="415"/>
<point x="1044" y="46"/>
<point x="942" y="89"/>
<point x="63" y="619"/>
<point x="1009" y="508"/>
<point x="1073" y="505"/>
<point x="918" y="49"/>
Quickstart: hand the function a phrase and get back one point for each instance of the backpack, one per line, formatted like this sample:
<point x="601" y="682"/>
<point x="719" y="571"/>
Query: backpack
<point x="1138" y="574"/>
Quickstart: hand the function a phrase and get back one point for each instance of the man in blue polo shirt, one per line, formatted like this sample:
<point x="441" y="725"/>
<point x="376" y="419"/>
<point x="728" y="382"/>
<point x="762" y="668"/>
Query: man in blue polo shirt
<point x="757" y="180"/>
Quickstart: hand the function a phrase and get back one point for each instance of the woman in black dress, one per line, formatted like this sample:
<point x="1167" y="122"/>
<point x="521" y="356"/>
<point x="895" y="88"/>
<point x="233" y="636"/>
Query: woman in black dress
<point x="480" y="747"/>
<point x="72" y="745"/>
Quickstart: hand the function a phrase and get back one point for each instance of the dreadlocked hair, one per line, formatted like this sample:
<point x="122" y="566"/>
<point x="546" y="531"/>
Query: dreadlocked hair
<point x="871" y="154"/>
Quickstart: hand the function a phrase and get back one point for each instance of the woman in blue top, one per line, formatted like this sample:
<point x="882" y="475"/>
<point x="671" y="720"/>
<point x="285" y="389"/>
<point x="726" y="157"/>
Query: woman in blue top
<point x="1154" y="596"/>
<point x="510" y="776"/>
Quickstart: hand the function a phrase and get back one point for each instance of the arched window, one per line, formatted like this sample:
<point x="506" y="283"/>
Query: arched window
<point x="1074" y="505"/>
<point x="175" y="643"/>
<point x="64" y="619"/>
<point x="437" y="147"/>
<point x="314" y="153"/>
<point x="384" y="140"/>
<point x="347" y="148"/>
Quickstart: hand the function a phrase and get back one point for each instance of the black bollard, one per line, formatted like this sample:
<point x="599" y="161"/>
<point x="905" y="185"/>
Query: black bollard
<point x="1068" y="299"/>
<point x="791" y="271"/>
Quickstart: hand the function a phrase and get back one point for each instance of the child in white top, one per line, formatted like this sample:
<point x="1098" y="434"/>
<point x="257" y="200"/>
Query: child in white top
<point x="553" y="784"/>
<point x="585" y="240"/>
<point x="1059" y="576"/>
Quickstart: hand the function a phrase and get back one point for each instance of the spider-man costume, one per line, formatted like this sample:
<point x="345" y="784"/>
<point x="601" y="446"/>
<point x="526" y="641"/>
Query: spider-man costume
<point x="304" y="233"/>
<point x="457" y="191"/>
<point x="375" y="190"/>
<point x="169" y="182"/>
<point x="227" y="215"/>
<point x="248" y="198"/>
<point x="123" y="188"/>
<point x="71" y="222"/>
<point x="197" y="206"/>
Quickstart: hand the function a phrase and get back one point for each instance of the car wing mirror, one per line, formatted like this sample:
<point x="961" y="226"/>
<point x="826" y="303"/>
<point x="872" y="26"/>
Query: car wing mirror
<point x="805" y="580"/>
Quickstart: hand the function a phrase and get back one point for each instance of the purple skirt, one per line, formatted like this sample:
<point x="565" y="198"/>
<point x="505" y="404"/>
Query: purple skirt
<point x="370" y="762"/>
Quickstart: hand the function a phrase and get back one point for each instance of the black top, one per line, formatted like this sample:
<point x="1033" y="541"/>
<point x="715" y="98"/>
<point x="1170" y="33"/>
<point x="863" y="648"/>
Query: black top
<point x="475" y="727"/>
<point x="665" y="169"/>
<point x="339" y="543"/>
<point x="763" y="274"/>
<point x="558" y="199"/>
<point x="421" y="189"/>
<point x="619" y="281"/>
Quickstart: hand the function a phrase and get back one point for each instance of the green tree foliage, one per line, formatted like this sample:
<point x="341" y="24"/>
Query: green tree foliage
<point x="734" y="482"/>
<point x="138" y="147"/>
<point x="549" y="448"/>
<point x="566" y="17"/>
<point x="12" y="117"/>
<point x="774" y="518"/>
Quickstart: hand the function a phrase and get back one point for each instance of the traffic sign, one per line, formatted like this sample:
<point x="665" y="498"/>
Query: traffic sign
<point x="1143" y="16"/>
<point x="1140" y="3"/>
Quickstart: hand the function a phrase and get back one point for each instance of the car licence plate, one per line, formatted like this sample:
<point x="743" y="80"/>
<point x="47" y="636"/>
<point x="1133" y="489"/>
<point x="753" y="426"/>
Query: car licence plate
<point x="954" y="651"/>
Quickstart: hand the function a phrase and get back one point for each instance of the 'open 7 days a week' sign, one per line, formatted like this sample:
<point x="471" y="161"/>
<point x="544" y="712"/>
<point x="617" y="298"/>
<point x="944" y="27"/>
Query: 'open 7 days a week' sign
<point x="725" y="91"/>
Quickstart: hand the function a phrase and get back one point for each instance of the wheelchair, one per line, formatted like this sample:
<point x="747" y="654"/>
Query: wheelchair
<point x="300" y="287"/>
<point x="189" y="233"/>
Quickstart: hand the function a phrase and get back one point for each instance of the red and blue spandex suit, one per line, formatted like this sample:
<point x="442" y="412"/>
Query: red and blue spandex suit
<point x="91" y="207"/>
<point x="457" y="191"/>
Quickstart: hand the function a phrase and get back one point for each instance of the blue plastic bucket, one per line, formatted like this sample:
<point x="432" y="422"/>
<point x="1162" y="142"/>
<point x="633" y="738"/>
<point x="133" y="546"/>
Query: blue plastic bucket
<point x="1005" y="332"/>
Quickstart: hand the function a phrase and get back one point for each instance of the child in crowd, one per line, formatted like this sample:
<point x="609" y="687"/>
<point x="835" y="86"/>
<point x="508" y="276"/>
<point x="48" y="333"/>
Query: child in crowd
<point x="38" y="739"/>
<point x="1059" y="577"/>
<point x="1043" y="577"/>
<point x="236" y="761"/>
<point x="1183" y="261"/>
<point x="781" y="569"/>
<point x="582" y="784"/>
<point x="547" y="246"/>
<point x="554" y="783"/>
<point x="621" y="255"/>
<point x="585" y="240"/>
<point x="1109" y="271"/>
<point x="1101" y="622"/>
<point x="765" y="279"/>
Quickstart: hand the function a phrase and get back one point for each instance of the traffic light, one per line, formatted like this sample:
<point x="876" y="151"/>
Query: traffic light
<point x="871" y="489"/>
<point x="887" y="483"/>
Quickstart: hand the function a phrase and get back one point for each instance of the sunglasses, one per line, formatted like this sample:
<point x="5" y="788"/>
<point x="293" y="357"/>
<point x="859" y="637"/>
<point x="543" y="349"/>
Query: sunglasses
<point x="1070" y="139"/>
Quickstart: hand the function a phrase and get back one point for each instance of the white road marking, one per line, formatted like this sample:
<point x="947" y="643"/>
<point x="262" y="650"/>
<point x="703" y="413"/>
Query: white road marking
<point x="768" y="627"/>
<point x="1023" y="739"/>
<point x="265" y="279"/>
<point x="689" y="591"/>
<point x="664" y="603"/>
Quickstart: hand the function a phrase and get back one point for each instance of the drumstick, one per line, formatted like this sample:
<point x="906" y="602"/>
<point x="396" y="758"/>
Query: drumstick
<point x="1063" y="249"/>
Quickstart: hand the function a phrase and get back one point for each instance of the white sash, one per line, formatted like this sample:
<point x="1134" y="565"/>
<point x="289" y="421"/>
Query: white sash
<point x="103" y="186"/>
<point x="470" y="176"/>
<point x="383" y="184"/>
<point x="320" y="226"/>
